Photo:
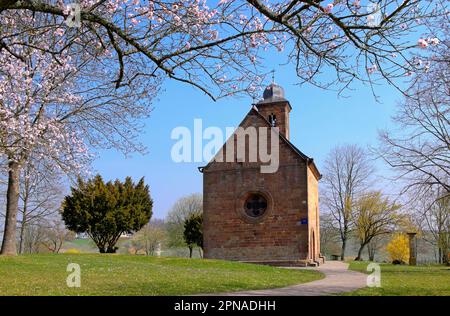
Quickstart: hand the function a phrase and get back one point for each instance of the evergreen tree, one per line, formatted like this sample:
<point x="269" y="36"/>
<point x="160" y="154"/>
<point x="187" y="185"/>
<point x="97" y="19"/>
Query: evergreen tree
<point x="193" y="233"/>
<point x="107" y="210"/>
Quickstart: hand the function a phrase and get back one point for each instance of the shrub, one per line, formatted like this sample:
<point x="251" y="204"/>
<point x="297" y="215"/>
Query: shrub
<point x="72" y="251"/>
<point x="398" y="249"/>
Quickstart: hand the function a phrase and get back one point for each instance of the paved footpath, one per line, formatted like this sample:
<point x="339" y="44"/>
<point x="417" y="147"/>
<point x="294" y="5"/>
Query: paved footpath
<point x="338" y="279"/>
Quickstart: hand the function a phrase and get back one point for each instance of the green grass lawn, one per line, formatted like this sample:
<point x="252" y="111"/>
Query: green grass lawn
<point x="139" y="275"/>
<point x="407" y="280"/>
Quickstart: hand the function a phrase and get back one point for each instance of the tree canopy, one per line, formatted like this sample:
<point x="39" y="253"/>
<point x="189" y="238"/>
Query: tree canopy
<point x="193" y="232"/>
<point x="218" y="47"/>
<point x="106" y="210"/>
<point x="374" y="215"/>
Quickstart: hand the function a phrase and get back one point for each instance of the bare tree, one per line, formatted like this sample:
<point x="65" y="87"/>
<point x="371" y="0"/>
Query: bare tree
<point x="33" y="236"/>
<point x="40" y="196"/>
<point x="419" y="149"/>
<point x="55" y="234"/>
<point x="432" y="213"/>
<point x="347" y="173"/>
<point x="149" y="238"/>
<point x="45" y="235"/>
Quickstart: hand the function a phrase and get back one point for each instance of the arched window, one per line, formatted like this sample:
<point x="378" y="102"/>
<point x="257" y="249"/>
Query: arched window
<point x="273" y="120"/>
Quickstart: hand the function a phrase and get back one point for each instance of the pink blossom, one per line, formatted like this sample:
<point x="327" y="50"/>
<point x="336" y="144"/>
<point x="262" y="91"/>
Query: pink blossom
<point x="422" y="43"/>
<point x="434" y="41"/>
<point x="59" y="32"/>
<point x="372" y="69"/>
<point x="328" y="8"/>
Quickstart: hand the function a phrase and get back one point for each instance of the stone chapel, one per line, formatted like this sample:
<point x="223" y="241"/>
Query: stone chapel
<point x="269" y="218"/>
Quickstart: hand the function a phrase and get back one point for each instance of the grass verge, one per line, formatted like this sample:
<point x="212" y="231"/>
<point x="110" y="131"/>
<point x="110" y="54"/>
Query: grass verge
<point x="406" y="280"/>
<point x="103" y="274"/>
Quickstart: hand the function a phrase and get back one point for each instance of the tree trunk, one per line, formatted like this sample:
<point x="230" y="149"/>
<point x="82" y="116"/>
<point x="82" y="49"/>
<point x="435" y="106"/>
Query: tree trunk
<point x="190" y="252"/>
<point x="24" y="215"/>
<point x="344" y="242"/>
<point x="12" y="205"/>
<point x="372" y="254"/>
<point x="22" y="232"/>
<point x="358" y="257"/>
<point x="111" y="249"/>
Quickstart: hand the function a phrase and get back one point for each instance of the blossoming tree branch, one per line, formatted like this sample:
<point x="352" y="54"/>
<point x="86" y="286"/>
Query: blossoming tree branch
<point x="78" y="76"/>
<point x="216" y="45"/>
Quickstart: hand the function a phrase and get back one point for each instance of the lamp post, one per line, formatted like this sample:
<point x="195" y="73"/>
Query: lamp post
<point x="412" y="249"/>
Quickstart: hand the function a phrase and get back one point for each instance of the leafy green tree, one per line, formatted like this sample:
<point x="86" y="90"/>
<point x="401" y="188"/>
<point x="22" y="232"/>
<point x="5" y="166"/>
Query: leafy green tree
<point x="180" y="212"/>
<point x="107" y="210"/>
<point x="193" y="232"/>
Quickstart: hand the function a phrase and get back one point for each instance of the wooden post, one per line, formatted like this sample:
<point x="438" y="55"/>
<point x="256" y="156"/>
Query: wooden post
<point x="412" y="249"/>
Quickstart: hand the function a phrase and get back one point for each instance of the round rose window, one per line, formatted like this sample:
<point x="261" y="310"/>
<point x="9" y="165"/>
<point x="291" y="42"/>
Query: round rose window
<point x="255" y="205"/>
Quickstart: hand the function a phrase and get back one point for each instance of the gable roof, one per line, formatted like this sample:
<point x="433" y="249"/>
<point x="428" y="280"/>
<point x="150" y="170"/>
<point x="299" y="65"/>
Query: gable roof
<point x="309" y="160"/>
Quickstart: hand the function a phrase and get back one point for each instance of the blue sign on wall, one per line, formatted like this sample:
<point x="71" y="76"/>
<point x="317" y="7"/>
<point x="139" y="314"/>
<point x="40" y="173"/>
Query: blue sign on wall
<point x="303" y="221"/>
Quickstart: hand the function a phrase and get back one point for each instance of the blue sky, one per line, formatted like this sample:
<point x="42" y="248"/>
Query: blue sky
<point x="320" y="120"/>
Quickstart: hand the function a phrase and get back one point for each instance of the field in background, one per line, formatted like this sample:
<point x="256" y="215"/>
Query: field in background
<point x="426" y="254"/>
<point x="88" y="246"/>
